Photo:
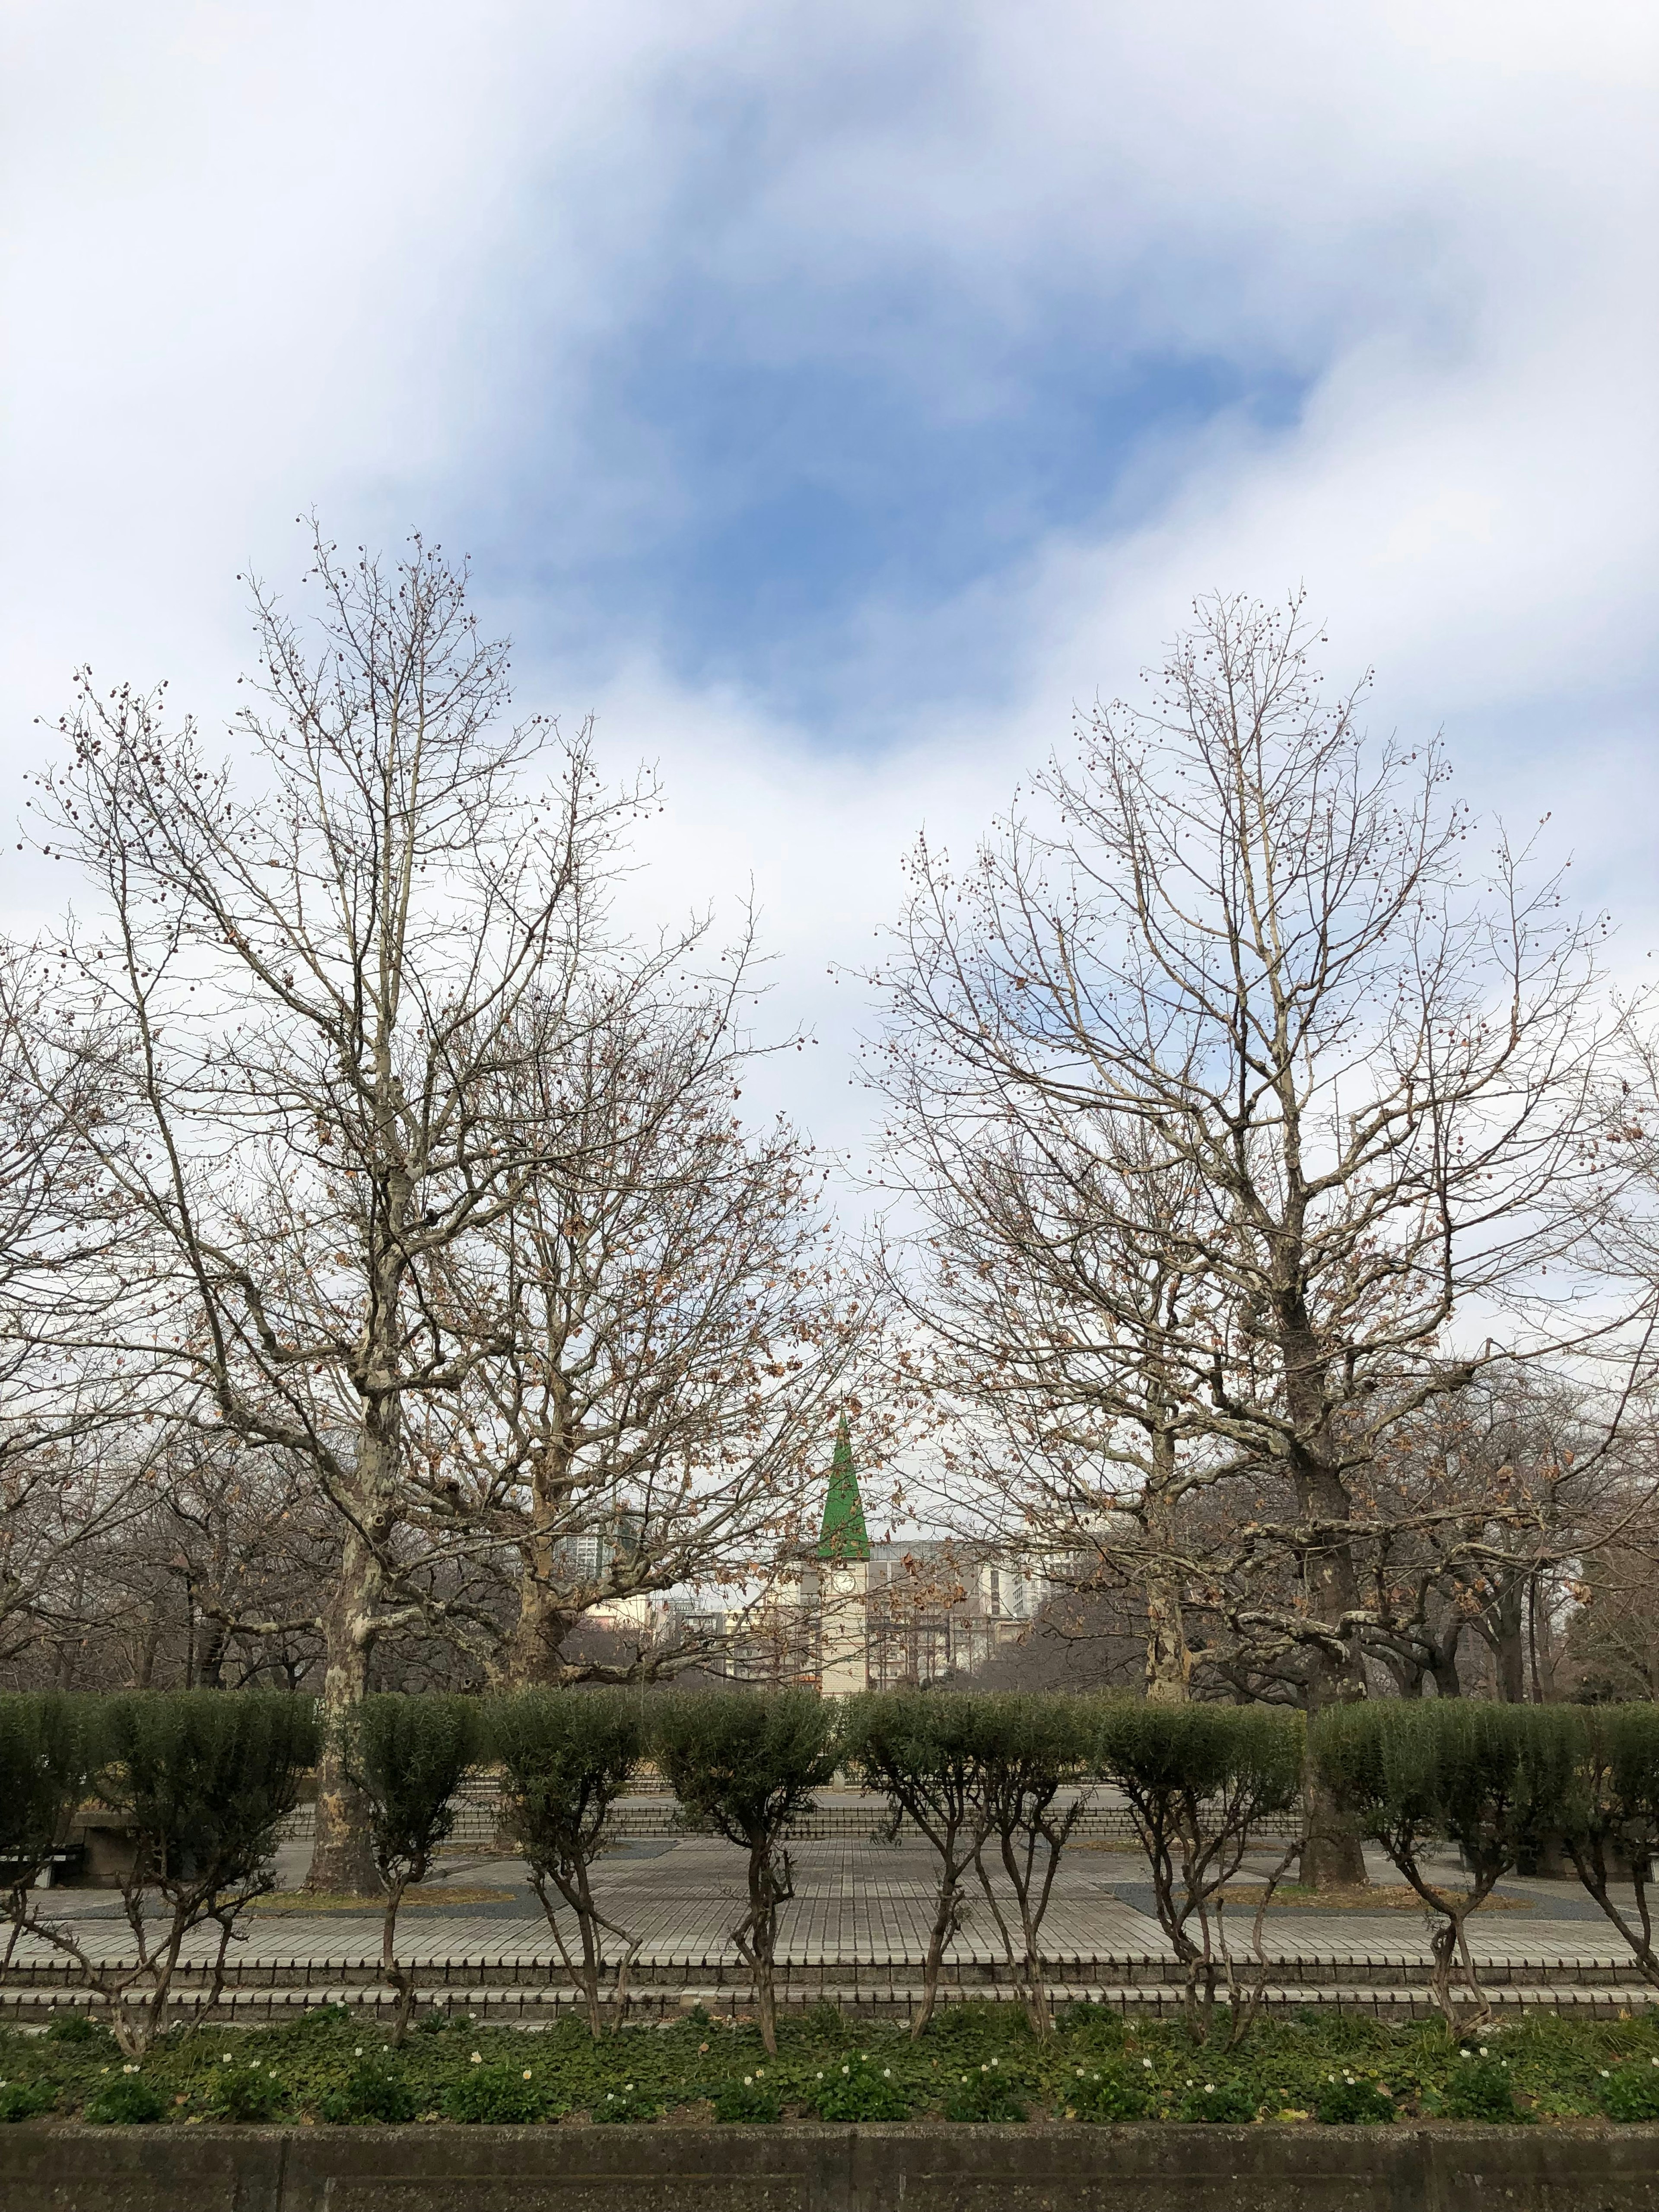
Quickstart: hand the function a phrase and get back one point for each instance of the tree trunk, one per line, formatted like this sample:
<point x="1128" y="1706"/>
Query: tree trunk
<point x="1169" y="1659"/>
<point x="342" y="1859"/>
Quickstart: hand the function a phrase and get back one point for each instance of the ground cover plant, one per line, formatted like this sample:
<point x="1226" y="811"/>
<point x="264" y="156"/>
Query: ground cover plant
<point x="975" y="2063"/>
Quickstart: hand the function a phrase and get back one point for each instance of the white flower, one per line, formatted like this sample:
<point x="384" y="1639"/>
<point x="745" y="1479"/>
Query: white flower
<point x="748" y="2081"/>
<point x="1209" y="2089"/>
<point x="129" y="2069"/>
<point x="1606" y="2076"/>
<point x="1078" y="2072"/>
<point x="887" y="2073"/>
<point x="526" y="2073"/>
<point x="1147" y="2064"/>
<point x="477" y="2059"/>
<point x="358" y="2053"/>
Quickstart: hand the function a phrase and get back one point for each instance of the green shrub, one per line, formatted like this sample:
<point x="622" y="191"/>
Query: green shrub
<point x="1486" y="1777"/>
<point x="205" y="1777"/>
<point x="748" y="1763"/>
<point x="504" y="2095"/>
<point x="1219" y="2104"/>
<point x="985" y="2093"/>
<point x="246" y="2093"/>
<point x="748" y="2102"/>
<point x="566" y="1756"/>
<point x="1348" y="2100"/>
<point x="1030" y="1749"/>
<point x="373" y="2091"/>
<point x="1631" y="2092"/>
<point x="49" y="1746"/>
<point x="627" y="2106"/>
<point x="922" y="1752"/>
<point x="1608" y="1814"/>
<point x="1481" y="2089"/>
<point x="125" y="2102"/>
<point x="26" y="2100"/>
<point x="858" y="2089"/>
<point x="409" y="1756"/>
<point x="76" y="2027"/>
<point x="1200" y="1780"/>
<point x="1106" y="2095"/>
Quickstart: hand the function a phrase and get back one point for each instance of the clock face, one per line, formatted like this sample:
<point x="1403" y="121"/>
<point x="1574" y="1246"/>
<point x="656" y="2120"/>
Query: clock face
<point x="841" y="1583"/>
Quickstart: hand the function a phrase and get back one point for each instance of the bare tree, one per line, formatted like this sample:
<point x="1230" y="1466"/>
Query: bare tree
<point x="302" y="997"/>
<point x="1237" y="958"/>
<point x="673" y="1324"/>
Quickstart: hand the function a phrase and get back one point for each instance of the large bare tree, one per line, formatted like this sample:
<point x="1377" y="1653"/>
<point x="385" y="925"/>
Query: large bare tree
<point x="1218" y="1061"/>
<point x="304" y="996"/>
<point x="672" y="1324"/>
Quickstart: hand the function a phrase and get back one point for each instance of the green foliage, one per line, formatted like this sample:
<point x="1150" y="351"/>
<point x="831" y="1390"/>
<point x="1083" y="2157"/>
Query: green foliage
<point x="986" y="2093"/>
<point x="1349" y="2101"/>
<point x="127" y="2102"/>
<point x="921" y="1750"/>
<point x="1631" y="2092"/>
<point x="1106" y="2095"/>
<point x="1481" y="2089"/>
<point x="502" y="2095"/>
<point x="1219" y="2103"/>
<point x="1482" y="1774"/>
<point x="409" y="1755"/>
<point x="746" y="1762"/>
<point x="77" y="2027"/>
<point x="565" y="1755"/>
<point x="375" y="2091"/>
<point x="857" y="2089"/>
<point x="49" y="1746"/>
<point x="628" y="2106"/>
<point x="1236" y="1763"/>
<point x="748" y="2102"/>
<point x="248" y="2092"/>
<point x="207" y="1776"/>
<point x="26" y="2100"/>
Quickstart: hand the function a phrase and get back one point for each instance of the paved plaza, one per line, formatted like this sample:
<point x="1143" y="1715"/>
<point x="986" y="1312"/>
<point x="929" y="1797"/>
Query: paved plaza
<point x="856" y="1932"/>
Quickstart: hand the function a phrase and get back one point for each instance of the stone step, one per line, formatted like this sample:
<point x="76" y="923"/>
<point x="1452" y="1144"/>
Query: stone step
<point x="533" y="2008"/>
<point x="533" y="1975"/>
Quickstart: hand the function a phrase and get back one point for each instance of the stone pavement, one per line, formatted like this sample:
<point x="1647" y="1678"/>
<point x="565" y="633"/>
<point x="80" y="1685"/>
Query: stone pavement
<point x="855" y="1933"/>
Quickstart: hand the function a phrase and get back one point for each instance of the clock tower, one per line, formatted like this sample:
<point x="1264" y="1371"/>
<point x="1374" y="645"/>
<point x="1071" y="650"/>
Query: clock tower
<point x="843" y="1574"/>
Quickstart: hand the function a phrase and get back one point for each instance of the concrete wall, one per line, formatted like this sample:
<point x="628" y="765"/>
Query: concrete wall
<point x="870" y="2169"/>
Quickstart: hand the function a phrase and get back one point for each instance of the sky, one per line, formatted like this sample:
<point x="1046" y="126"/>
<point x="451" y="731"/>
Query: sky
<point x="833" y="399"/>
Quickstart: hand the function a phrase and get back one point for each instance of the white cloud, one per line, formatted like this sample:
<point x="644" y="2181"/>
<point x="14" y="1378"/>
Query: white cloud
<point x="260" y="257"/>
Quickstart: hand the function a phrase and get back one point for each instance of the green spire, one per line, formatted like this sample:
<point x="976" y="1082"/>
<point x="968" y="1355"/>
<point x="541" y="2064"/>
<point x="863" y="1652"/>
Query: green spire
<point x="843" y="1536"/>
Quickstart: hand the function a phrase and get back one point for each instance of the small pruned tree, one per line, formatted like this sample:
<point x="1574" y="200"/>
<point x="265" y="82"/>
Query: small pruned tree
<point x="747" y="1762"/>
<point x="409" y="1756"/>
<point x="48" y="1749"/>
<point x="1200" y="1779"/>
<point x="566" y="1757"/>
<point x="1608" y="1811"/>
<point x="923" y="1752"/>
<point x="1478" y="1776"/>
<point x="1032" y="1749"/>
<point x="205" y="1779"/>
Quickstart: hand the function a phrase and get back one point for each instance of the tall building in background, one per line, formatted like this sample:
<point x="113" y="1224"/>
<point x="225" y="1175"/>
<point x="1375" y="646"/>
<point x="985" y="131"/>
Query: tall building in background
<point x="877" y="1615"/>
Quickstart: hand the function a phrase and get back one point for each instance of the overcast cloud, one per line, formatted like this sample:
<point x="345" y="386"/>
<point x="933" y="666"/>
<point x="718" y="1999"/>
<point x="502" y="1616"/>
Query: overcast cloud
<point x="832" y="398"/>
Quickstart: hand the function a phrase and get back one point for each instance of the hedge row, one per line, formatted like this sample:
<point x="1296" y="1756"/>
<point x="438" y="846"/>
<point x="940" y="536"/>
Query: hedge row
<point x="990" y="1781"/>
